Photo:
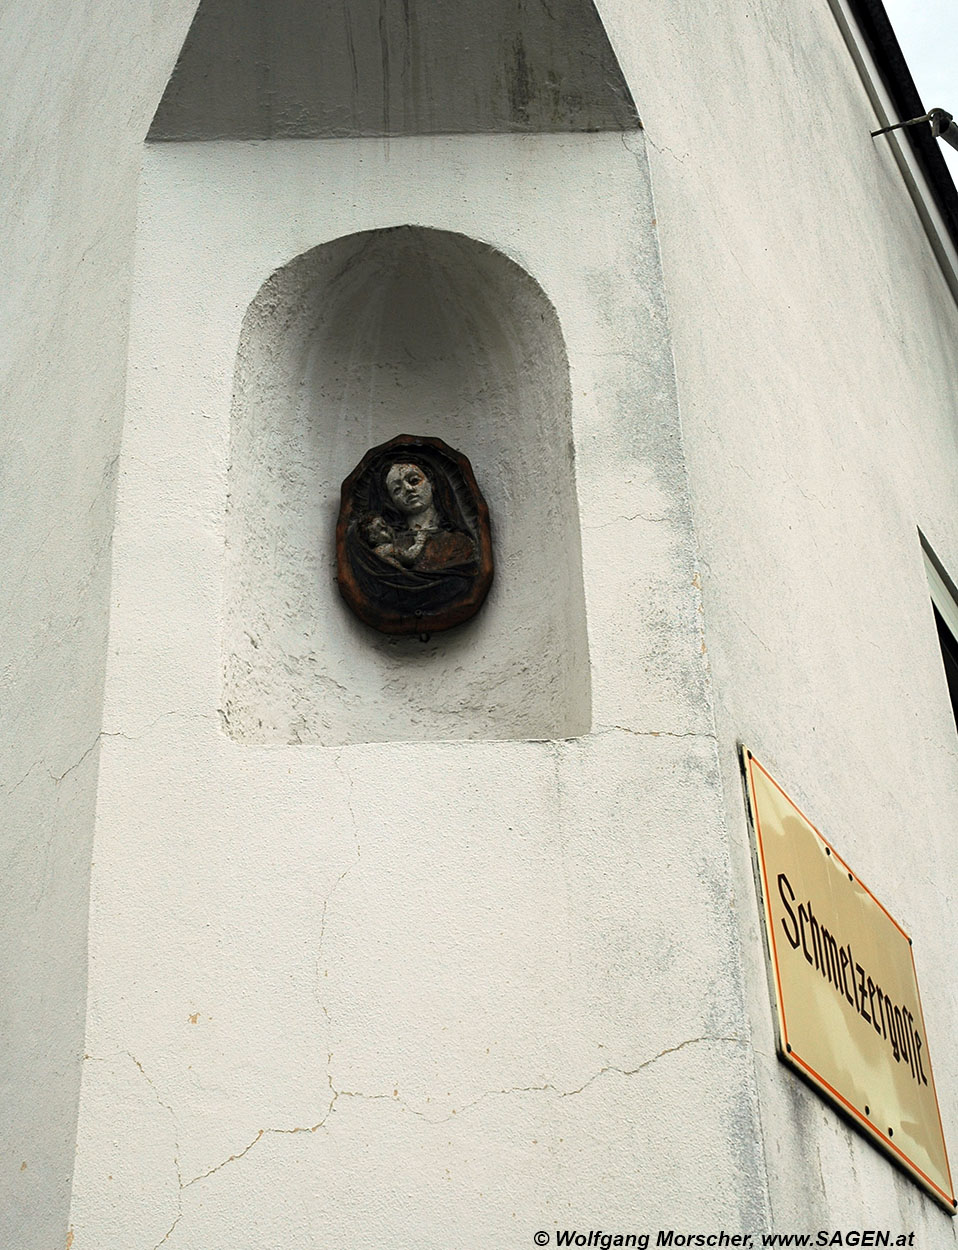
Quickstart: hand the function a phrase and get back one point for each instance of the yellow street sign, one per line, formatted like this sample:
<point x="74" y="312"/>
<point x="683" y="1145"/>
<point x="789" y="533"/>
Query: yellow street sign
<point x="849" y="1014"/>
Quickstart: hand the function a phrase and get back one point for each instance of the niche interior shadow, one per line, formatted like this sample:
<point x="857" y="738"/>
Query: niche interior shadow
<point x="417" y="331"/>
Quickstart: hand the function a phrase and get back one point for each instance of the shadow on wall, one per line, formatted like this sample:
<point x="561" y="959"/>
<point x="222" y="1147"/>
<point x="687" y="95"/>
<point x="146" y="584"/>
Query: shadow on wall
<point x="299" y="69"/>
<point x="416" y="331"/>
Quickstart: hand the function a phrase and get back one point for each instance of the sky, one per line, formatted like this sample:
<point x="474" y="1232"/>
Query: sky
<point x="928" y="33"/>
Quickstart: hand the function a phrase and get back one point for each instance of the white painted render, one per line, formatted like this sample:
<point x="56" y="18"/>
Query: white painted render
<point x="368" y="943"/>
<point x="445" y="993"/>
<point x="816" y="352"/>
<point x="80" y="83"/>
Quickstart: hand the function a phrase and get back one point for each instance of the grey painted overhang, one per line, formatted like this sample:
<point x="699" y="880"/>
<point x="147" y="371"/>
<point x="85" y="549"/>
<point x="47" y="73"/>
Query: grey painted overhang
<point x="273" y="69"/>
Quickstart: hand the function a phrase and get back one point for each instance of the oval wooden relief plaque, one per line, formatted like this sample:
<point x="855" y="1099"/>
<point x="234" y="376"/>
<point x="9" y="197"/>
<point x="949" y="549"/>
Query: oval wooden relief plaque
<point x="413" y="541"/>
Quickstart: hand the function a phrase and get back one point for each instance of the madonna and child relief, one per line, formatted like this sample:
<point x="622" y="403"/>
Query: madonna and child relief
<point x="413" y="544"/>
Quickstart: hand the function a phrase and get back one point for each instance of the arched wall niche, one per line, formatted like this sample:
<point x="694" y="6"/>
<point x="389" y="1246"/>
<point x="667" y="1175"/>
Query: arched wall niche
<point x="418" y="331"/>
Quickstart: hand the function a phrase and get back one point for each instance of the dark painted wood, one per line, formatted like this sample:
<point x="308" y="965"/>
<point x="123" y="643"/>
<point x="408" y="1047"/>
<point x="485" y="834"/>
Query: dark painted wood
<point x="396" y="578"/>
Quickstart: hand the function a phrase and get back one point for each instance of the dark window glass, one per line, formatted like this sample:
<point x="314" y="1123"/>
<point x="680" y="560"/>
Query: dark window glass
<point x="949" y="653"/>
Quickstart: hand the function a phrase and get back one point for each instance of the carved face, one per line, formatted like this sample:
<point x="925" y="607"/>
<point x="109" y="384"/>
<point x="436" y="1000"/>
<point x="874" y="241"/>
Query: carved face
<point x="409" y="488"/>
<point x="377" y="532"/>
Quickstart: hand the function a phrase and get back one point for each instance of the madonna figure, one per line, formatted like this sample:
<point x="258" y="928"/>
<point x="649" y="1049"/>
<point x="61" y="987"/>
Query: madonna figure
<point x="414" y="550"/>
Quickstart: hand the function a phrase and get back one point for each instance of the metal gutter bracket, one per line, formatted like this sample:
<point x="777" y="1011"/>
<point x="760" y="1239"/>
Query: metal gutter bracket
<point x="942" y="126"/>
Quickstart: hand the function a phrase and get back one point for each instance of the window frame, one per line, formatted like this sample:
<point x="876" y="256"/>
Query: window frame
<point x="944" y="601"/>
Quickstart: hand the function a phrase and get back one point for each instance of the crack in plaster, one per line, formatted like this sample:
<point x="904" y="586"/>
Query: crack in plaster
<point x="30" y="563"/>
<point x="18" y="784"/>
<point x="707" y="734"/>
<point x="616" y="353"/>
<point x="267" y="1132"/>
<point x="548" y="1087"/>
<point x="171" y="1228"/>
<point x="56" y="778"/>
<point x="663" y="150"/>
<point x="617" y="520"/>
<point x="181" y="1184"/>
<point x="559" y="751"/>
<point x="176" y="1135"/>
<point x="344" y="774"/>
<point x="107" y="481"/>
<point x="804" y="493"/>
<point x="745" y="625"/>
<point x="145" y="729"/>
<point x="338" y="760"/>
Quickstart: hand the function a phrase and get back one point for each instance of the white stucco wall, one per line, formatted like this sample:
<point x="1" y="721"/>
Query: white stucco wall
<point x="816" y="351"/>
<point x="80" y="85"/>
<point x="317" y="1013"/>
<point x="439" y="992"/>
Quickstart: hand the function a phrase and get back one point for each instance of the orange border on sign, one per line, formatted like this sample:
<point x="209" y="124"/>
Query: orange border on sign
<point x="790" y="1055"/>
